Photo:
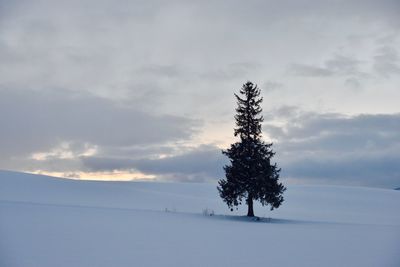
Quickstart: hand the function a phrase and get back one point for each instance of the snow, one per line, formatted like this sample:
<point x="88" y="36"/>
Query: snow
<point x="46" y="221"/>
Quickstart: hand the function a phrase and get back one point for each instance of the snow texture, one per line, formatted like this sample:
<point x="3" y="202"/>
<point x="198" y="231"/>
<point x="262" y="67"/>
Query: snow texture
<point x="47" y="222"/>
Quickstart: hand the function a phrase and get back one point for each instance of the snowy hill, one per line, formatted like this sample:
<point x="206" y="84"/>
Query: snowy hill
<point x="46" y="221"/>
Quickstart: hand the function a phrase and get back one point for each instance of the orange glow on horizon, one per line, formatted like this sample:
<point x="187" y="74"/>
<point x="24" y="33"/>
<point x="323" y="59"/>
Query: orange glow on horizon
<point x="98" y="176"/>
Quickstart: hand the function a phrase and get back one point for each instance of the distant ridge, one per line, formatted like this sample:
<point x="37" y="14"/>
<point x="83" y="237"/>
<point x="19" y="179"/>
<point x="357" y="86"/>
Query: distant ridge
<point x="398" y="188"/>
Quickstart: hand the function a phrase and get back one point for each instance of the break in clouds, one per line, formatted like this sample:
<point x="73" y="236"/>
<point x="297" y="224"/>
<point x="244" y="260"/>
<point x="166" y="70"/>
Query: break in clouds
<point x="146" y="87"/>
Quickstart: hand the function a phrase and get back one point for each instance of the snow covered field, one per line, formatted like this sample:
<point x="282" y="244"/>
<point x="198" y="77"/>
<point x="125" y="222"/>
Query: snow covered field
<point x="48" y="222"/>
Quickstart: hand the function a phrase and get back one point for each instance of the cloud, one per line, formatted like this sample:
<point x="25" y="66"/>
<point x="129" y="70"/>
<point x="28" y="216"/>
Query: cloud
<point x="386" y="62"/>
<point x="39" y="121"/>
<point x="353" y="83"/>
<point x="177" y="51"/>
<point x="231" y="71"/>
<point x="200" y="164"/>
<point x="272" y="86"/>
<point x="338" y="149"/>
<point x="310" y="70"/>
<point x="370" y="170"/>
<point x="161" y="70"/>
<point x="327" y="148"/>
<point x="126" y="78"/>
<point x="338" y="65"/>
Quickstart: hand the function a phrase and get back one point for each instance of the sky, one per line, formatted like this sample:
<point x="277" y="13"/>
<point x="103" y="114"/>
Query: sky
<point x="122" y="90"/>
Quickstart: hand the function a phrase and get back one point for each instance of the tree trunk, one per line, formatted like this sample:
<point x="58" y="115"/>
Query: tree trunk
<point x="250" y="211"/>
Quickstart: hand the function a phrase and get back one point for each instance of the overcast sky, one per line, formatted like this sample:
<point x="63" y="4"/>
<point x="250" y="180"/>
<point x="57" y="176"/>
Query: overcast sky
<point x="144" y="89"/>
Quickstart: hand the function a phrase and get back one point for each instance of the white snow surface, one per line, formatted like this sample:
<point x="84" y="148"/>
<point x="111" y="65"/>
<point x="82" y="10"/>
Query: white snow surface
<point x="46" y="222"/>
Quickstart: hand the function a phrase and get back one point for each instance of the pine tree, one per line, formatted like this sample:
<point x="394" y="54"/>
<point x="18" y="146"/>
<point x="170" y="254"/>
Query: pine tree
<point x="250" y="174"/>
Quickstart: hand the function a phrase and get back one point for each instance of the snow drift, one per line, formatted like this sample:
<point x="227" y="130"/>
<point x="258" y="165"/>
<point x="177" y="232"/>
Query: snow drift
<point x="46" y="221"/>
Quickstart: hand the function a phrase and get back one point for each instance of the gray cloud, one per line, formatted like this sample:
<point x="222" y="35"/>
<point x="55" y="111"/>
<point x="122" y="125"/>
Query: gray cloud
<point x="309" y="70"/>
<point x="161" y="70"/>
<point x="133" y="73"/>
<point x="378" y="171"/>
<point x="387" y="62"/>
<point x="338" y="149"/>
<point x="343" y="65"/>
<point x="311" y="147"/>
<point x="178" y="51"/>
<point x="203" y="163"/>
<point x="37" y="121"/>
<point x="272" y="86"/>
<point x="233" y="70"/>
<point x="353" y="83"/>
<point x="338" y="65"/>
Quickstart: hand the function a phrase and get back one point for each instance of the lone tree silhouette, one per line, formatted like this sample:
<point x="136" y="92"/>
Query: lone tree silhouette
<point x="250" y="174"/>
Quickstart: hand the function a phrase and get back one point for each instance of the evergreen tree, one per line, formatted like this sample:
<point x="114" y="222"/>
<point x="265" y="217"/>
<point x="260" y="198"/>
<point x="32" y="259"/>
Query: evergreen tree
<point x="250" y="174"/>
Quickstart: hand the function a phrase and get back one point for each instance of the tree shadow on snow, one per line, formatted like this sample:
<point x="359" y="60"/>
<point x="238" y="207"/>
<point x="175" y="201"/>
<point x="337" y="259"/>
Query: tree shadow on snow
<point x="264" y="220"/>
